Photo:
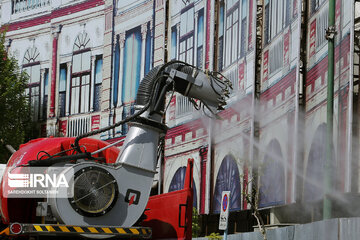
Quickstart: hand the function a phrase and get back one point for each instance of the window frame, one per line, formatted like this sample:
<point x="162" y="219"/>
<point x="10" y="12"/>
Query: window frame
<point x="231" y="32"/>
<point x="200" y="42"/>
<point x="243" y="23"/>
<point x="97" y="85"/>
<point x="82" y="83"/>
<point x="277" y="16"/>
<point x="31" y="86"/>
<point x="186" y="40"/>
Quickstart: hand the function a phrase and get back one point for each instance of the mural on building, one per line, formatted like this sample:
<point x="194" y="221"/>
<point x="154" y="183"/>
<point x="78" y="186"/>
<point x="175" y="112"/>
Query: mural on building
<point x="188" y="133"/>
<point x="86" y="60"/>
<point x="236" y="60"/>
<point x="316" y="87"/>
<point x="279" y="101"/>
<point x="191" y="30"/>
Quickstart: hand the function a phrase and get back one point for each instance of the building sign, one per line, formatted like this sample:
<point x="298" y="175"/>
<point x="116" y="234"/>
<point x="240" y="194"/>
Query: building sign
<point x="172" y="108"/>
<point x="337" y="14"/>
<point x="63" y="128"/>
<point x="286" y="47"/>
<point x="95" y="122"/>
<point x="241" y="76"/>
<point x="266" y="66"/>
<point x="312" y="42"/>
<point x="224" y="211"/>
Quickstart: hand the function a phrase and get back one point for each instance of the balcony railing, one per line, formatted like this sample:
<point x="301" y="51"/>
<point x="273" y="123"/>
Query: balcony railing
<point x="20" y="6"/>
<point x="79" y="125"/>
<point x="183" y="106"/>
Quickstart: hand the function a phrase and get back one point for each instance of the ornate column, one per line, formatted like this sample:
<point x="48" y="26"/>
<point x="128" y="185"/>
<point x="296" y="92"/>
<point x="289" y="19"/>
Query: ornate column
<point x="143" y="43"/>
<point x="196" y="39"/>
<point x="121" y="65"/>
<point x="92" y="83"/>
<point x="42" y="95"/>
<point x="68" y="83"/>
<point x="151" y="44"/>
<point x="208" y="23"/>
<point x="203" y="152"/>
<point x="55" y="33"/>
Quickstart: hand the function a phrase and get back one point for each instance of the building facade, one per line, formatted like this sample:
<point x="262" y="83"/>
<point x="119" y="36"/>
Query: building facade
<point x="86" y="59"/>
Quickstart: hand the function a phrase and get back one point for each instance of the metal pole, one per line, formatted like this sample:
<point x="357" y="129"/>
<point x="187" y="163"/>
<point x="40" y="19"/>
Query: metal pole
<point x="225" y="234"/>
<point x="10" y="148"/>
<point x="330" y="36"/>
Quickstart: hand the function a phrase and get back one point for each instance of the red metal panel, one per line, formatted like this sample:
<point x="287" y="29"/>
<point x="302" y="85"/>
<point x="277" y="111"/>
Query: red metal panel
<point x="117" y="139"/>
<point x="170" y="214"/>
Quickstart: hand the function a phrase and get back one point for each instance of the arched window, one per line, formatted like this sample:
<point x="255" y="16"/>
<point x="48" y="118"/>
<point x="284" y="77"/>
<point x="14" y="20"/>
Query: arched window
<point x="80" y="77"/>
<point x="228" y="179"/>
<point x="177" y="183"/>
<point x="31" y="65"/>
<point x="272" y="177"/>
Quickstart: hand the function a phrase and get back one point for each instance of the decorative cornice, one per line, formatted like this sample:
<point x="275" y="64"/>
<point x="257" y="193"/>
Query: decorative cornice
<point x="56" y="30"/>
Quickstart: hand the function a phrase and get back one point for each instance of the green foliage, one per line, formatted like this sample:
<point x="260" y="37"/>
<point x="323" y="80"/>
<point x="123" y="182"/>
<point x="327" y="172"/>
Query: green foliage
<point x="214" y="236"/>
<point x="15" y="120"/>
<point x="196" y="229"/>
